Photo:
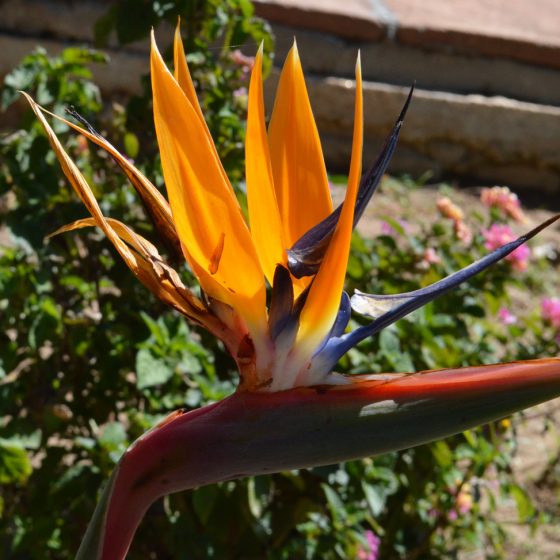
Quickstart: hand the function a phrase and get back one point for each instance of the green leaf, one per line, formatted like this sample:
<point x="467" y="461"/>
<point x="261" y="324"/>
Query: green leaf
<point x="335" y="503"/>
<point x="72" y="473"/>
<point x="525" y="507"/>
<point x="131" y="144"/>
<point x="442" y="453"/>
<point x="15" y="466"/>
<point x="112" y="435"/>
<point x="150" y="371"/>
<point x="204" y="499"/>
<point x="374" y="499"/>
<point x="389" y="343"/>
<point x="255" y="505"/>
<point x="30" y="440"/>
<point x="80" y="56"/>
<point x="157" y="329"/>
<point x="390" y="347"/>
<point x="189" y="364"/>
<point x="471" y="437"/>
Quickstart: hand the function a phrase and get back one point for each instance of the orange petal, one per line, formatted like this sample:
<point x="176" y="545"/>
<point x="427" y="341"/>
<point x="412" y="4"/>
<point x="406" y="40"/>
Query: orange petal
<point x="300" y="177"/>
<point x="202" y="201"/>
<point x="264" y="216"/>
<point x="183" y="77"/>
<point x="151" y="270"/>
<point x="323" y="301"/>
<point x="182" y="73"/>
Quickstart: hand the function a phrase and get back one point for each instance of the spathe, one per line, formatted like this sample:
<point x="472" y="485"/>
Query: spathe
<point x="261" y="433"/>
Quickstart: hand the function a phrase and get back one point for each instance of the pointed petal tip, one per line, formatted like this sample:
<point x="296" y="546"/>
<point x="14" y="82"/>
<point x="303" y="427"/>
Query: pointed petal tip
<point x="542" y="226"/>
<point x="387" y="309"/>
<point x="406" y="105"/>
<point x="259" y="55"/>
<point x="153" y="44"/>
<point x="294" y="50"/>
<point x="323" y="304"/>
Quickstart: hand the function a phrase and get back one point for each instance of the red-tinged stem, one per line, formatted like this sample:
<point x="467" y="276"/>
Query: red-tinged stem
<point x="257" y="433"/>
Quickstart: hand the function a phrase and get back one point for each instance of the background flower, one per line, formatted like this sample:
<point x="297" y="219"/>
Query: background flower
<point x="505" y="200"/>
<point x="372" y="551"/>
<point x="506" y="316"/>
<point x="500" y="234"/>
<point x="550" y="310"/>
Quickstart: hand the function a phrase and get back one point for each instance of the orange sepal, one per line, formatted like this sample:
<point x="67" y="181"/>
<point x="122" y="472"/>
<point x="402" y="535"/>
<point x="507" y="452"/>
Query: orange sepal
<point x="205" y="210"/>
<point x="264" y="216"/>
<point x="323" y="301"/>
<point x="300" y="177"/>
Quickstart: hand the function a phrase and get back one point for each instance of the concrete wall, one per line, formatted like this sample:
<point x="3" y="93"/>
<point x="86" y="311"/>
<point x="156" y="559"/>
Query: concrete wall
<point x="491" y="119"/>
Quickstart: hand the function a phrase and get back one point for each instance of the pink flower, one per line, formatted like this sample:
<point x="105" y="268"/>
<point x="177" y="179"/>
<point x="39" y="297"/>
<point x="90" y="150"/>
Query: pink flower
<point x="246" y="62"/>
<point x="430" y="256"/>
<point x="387" y="229"/>
<point x="463" y="232"/>
<point x="506" y="316"/>
<point x="500" y="234"/>
<point x="464" y="500"/>
<point x="550" y="310"/>
<point x="505" y="200"/>
<point x="373" y="542"/>
<point x="240" y="92"/>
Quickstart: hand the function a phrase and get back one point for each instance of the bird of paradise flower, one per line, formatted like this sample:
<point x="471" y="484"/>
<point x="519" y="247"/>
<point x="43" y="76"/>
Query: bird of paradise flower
<point x="290" y="409"/>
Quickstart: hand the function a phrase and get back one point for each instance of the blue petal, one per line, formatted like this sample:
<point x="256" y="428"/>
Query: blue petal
<point x="401" y="305"/>
<point x="281" y="302"/>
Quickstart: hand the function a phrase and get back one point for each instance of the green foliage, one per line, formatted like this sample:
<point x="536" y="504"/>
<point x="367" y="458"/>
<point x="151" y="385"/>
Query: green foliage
<point x="89" y="360"/>
<point x="213" y="31"/>
<point x="55" y="80"/>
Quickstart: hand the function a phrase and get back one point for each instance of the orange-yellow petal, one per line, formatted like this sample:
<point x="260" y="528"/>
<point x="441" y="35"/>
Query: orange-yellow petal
<point x="183" y="77"/>
<point x="264" y="216"/>
<point x="323" y="301"/>
<point x="182" y="73"/>
<point x="204" y="207"/>
<point x="300" y="177"/>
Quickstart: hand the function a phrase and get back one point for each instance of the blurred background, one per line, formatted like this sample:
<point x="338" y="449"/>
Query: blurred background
<point x="89" y="360"/>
